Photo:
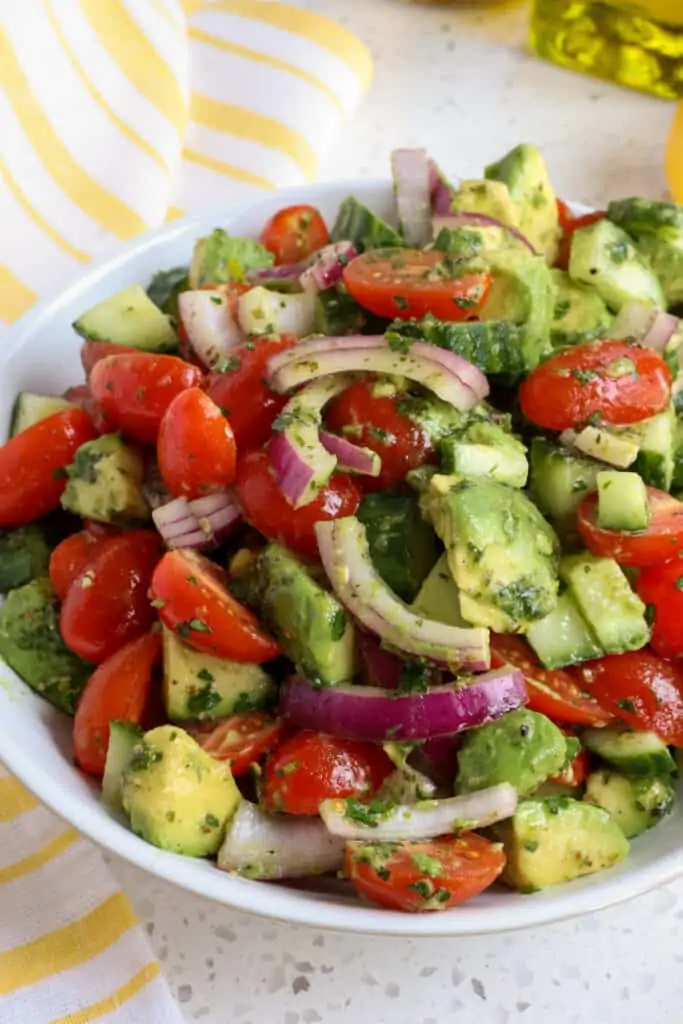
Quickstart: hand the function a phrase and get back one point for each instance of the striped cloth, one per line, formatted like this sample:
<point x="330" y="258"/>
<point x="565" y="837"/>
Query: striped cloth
<point x="116" y="115"/>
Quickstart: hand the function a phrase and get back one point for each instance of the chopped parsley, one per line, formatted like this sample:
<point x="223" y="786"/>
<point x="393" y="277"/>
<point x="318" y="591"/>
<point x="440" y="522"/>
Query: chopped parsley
<point x="414" y="678"/>
<point x="143" y="757"/>
<point x="626" y="705"/>
<point x="584" y="376"/>
<point x="199" y="626"/>
<point x="369" y="815"/>
<point x="205" y="675"/>
<point x="531" y="845"/>
<point x="202" y="702"/>
<point x="401" y="302"/>
<point x="429" y="866"/>
<point x="338" y="624"/>
<point x="211" y="821"/>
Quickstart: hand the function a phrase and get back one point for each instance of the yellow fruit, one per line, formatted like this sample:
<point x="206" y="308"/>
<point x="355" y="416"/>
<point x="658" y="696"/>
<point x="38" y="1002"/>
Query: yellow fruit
<point x="674" y="157"/>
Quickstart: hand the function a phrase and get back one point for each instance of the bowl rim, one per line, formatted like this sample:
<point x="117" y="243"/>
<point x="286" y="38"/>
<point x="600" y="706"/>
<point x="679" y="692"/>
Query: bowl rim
<point x="268" y="900"/>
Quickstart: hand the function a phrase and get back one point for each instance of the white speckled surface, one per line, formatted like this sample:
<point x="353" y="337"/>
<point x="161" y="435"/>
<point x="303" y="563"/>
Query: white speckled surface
<point x="466" y="88"/>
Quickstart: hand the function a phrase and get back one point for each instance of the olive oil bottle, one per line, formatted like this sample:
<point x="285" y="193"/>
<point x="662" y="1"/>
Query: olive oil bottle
<point x="638" y="43"/>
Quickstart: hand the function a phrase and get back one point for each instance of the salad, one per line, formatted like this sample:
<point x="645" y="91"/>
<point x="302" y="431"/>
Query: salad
<point x="359" y="548"/>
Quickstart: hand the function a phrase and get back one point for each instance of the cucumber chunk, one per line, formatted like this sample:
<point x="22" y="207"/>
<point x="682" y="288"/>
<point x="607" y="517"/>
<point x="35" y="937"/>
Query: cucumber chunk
<point x="622" y="501"/>
<point x="128" y="318"/>
<point x="633" y="753"/>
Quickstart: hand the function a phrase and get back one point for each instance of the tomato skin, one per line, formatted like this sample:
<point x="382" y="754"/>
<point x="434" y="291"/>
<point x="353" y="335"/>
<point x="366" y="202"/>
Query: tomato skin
<point x="119" y="689"/>
<point x="195" y="447"/>
<point x="639" y="687"/>
<point x="552" y="692"/>
<point x="93" y="351"/>
<point x="81" y="396"/>
<point x="576" y="772"/>
<point x="269" y="512"/>
<point x="374" y="422"/>
<point x="660" y="542"/>
<point x="569" y="388"/>
<point x="135" y="390"/>
<point x="243" y="395"/>
<point x="396" y="283"/>
<point x="294" y="233"/>
<point x="70" y="558"/>
<point x="32" y="465"/>
<point x="193" y="601"/>
<point x="241" y="739"/>
<point x="107" y="605"/>
<point x="661" y="586"/>
<point x="397" y="880"/>
<point x="569" y="225"/>
<point x="311" y="767"/>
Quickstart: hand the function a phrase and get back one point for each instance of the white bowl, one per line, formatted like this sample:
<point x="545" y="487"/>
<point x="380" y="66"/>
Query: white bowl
<point x="41" y="353"/>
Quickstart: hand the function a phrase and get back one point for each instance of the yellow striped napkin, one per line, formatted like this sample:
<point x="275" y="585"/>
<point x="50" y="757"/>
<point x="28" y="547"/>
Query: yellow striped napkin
<point x="116" y="115"/>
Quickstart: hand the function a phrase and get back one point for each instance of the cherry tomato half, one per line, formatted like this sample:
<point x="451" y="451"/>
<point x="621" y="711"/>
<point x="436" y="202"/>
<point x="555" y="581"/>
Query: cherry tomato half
<point x="552" y="692"/>
<point x="660" y="541"/>
<point x="242" y="394"/>
<point x="107" y="605"/>
<point x="119" y="689"/>
<point x="434" y="874"/>
<point x="135" y="390"/>
<point x="569" y="225"/>
<point x="70" y="558"/>
<point x="312" y="766"/>
<point x="374" y="421"/>
<point x="269" y="512"/>
<point x="241" y="739"/>
<point x="294" y="233"/>
<point x="661" y="587"/>
<point x="408" y="283"/>
<point x="639" y="687"/>
<point x="192" y="599"/>
<point x="93" y="351"/>
<point x="33" y="465"/>
<point x="195" y="447"/>
<point x="613" y="380"/>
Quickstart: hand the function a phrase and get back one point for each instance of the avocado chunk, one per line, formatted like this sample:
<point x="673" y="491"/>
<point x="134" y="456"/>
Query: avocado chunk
<point x="622" y="501"/>
<point x="524" y="172"/>
<point x="24" y="556"/>
<point x="658" y="230"/>
<point x="486" y="449"/>
<point x="219" y="258"/>
<point x="438" y="598"/>
<point x="356" y="223"/>
<point x="438" y="419"/>
<point x="556" y="839"/>
<point x="467" y="243"/>
<point x="32" y="646"/>
<point x="666" y="259"/>
<point x="631" y="753"/>
<point x="635" y="804"/>
<point x="604" y="257"/>
<point x="492" y="198"/>
<point x="200" y="686"/>
<point x="177" y="796"/>
<point x="579" y="314"/>
<point x="403" y="547"/>
<point x="501" y="551"/>
<point x="522" y="291"/>
<point x="603" y="594"/>
<point x="310" y="623"/>
<point x="563" y="637"/>
<point x="129" y="318"/>
<point x="522" y="748"/>
<point x="105" y="482"/>
<point x="559" y="479"/>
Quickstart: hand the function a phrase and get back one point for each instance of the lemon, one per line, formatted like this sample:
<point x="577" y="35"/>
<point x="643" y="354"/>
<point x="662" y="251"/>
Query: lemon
<point x="674" y="157"/>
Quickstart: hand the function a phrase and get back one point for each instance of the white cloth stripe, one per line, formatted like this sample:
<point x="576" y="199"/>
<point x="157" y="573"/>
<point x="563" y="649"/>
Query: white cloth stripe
<point x="38" y="828"/>
<point x="150" y="1006"/>
<point x="201" y="188"/>
<point x="244" y="153"/>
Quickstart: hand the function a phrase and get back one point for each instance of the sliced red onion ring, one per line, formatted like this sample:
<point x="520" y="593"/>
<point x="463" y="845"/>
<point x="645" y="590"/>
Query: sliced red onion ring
<point x="439" y="189"/>
<point x="174" y="511"/>
<point x="644" y="324"/>
<point x="368" y="713"/>
<point x="453" y="221"/>
<point x="271" y="846"/>
<point x="202" y="523"/>
<point x="286" y="272"/>
<point x="345" y="555"/>
<point x="327" y="266"/>
<point x="427" y="819"/>
<point x="351" y="457"/>
<point x="210" y="503"/>
<point x="210" y="326"/>
<point x="410" y="171"/>
<point x="198" y="539"/>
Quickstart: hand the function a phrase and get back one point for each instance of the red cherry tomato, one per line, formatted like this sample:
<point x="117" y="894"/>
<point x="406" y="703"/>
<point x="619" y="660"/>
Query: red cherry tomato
<point x="552" y="692"/>
<point x="119" y="689"/>
<point x="639" y="687"/>
<point x="81" y="396"/>
<point x="241" y="739"/>
<point x="661" y="587"/>
<point x="190" y="594"/>
<point x="294" y="233"/>
<point x="242" y="394"/>
<point x="311" y="767"/>
<point x="375" y="422"/>
<point x="70" y="558"/>
<point x="195" y="448"/>
<point x="660" y="541"/>
<point x="269" y="512"/>
<point x="33" y="465"/>
<point x="107" y="605"/>
<point x="93" y="351"/>
<point x="434" y="874"/>
<point x="408" y="283"/>
<point x="135" y="390"/>
<point x="569" y="225"/>
<point x="576" y="772"/>
<point x="611" y="380"/>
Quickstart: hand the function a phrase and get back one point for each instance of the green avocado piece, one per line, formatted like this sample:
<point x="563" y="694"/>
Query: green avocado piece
<point x="636" y="804"/>
<point x="555" y="839"/>
<point x="31" y="645"/>
<point x="24" y="556"/>
<point x="491" y="198"/>
<point x="579" y="313"/>
<point x="522" y="291"/>
<point x="606" y="258"/>
<point x="219" y="258"/>
<point x="313" y="628"/>
<point x="614" y="612"/>
<point x="486" y="449"/>
<point x="501" y="551"/>
<point x="666" y="259"/>
<point x="524" y="172"/>
<point x="438" y="598"/>
<point x="522" y="748"/>
<point x="466" y="243"/>
<point x="177" y="796"/>
<point x="105" y="482"/>
<point x="403" y="547"/>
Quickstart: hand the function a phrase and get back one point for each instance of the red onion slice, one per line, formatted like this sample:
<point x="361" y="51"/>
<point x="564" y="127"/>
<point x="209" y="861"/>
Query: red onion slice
<point x="345" y="555"/>
<point x="210" y="503"/>
<point x="644" y="324"/>
<point x="351" y="457"/>
<point x="410" y="171"/>
<point x="368" y="713"/>
<point x="272" y="846"/>
<point x="198" y="539"/>
<point x="210" y="325"/>
<point x="202" y="523"/>
<point x="453" y="221"/>
<point x="427" y="819"/>
<point x="286" y="272"/>
<point x="439" y="189"/>
<point x="327" y="265"/>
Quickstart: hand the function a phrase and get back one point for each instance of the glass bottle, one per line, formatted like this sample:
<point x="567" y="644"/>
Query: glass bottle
<point x="638" y="43"/>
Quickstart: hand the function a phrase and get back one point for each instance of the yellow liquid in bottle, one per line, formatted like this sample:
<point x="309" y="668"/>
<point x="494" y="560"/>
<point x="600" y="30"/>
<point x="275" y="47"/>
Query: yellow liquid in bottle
<point x="637" y="44"/>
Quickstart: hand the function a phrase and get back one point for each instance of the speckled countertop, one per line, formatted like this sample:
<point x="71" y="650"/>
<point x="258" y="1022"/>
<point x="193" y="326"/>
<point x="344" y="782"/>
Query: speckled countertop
<point x="465" y="87"/>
